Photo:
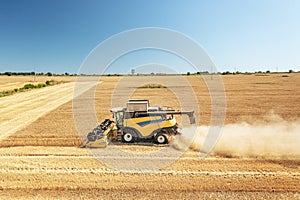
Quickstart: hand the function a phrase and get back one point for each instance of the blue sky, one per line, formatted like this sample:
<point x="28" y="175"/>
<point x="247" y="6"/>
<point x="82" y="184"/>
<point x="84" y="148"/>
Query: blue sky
<point x="57" y="35"/>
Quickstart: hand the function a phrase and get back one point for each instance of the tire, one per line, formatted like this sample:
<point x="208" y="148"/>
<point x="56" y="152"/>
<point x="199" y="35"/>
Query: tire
<point x="161" y="138"/>
<point x="129" y="136"/>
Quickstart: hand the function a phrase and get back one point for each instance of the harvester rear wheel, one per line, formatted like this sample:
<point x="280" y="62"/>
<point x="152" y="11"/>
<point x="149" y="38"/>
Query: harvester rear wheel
<point x="161" y="138"/>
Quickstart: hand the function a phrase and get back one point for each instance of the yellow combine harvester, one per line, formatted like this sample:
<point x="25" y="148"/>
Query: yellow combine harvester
<point x="137" y="122"/>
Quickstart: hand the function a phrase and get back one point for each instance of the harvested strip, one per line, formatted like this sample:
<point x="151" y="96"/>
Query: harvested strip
<point x="24" y="108"/>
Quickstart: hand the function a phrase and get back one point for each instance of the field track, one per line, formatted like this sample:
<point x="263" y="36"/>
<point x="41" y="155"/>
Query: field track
<point x="19" y="110"/>
<point x="23" y="108"/>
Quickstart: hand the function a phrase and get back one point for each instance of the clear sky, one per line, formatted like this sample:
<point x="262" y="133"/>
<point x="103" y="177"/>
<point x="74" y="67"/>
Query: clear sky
<point x="57" y="35"/>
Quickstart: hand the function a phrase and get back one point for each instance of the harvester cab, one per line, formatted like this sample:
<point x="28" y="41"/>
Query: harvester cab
<point x="137" y="122"/>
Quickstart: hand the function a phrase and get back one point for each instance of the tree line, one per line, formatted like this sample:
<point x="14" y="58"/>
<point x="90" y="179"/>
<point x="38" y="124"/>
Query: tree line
<point x="34" y="73"/>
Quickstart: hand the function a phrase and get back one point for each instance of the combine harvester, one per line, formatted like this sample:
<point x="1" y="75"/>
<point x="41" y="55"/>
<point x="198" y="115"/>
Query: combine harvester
<point x="138" y="122"/>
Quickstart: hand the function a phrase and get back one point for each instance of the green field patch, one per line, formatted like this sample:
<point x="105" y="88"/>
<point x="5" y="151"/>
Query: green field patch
<point x="30" y="86"/>
<point x="152" y="85"/>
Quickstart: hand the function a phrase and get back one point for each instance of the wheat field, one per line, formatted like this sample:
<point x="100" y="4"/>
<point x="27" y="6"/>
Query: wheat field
<point x="257" y="156"/>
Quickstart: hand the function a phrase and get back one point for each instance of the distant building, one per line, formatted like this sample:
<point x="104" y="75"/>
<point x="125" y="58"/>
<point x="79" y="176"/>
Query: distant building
<point x="132" y="71"/>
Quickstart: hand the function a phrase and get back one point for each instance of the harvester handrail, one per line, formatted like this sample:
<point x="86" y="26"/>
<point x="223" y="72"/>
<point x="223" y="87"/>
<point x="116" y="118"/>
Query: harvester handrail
<point x="190" y="114"/>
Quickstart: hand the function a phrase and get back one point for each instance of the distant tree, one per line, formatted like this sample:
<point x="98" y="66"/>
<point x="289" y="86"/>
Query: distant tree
<point x="49" y="82"/>
<point x="291" y="71"/>
<point x="28" y="86"/>
<point x="188" y="73"/>
<point x="268" y="72"/>
<point x="226" y="73"/>
<point x="7" y="73"/>
<point x="49" y="74"/>
<point x="66" y="73"/>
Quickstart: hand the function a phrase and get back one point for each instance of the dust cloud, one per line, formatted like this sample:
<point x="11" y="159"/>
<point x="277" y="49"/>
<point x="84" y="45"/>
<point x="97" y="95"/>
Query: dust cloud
<point x="276" y="139"/>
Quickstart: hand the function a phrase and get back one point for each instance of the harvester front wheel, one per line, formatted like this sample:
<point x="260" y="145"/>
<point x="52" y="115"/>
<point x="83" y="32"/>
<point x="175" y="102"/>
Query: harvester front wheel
<point x="161" y="138"/>
<point x="128" y="135"/>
